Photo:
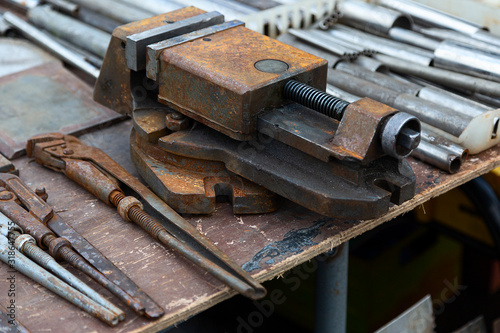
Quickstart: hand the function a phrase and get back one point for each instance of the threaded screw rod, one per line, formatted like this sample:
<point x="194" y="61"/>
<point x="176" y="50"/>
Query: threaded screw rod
<point x="146" y="222"/>
<point x="315" y="99"/>
<point x="32" y="251"/>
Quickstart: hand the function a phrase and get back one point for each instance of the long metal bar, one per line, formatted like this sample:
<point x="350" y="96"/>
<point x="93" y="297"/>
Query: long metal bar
<point x="115" y="10"/>
<point x="413" y="38"/>
<point x="331" y="291"/>
<point x="466" y="59"/>
<point x="155" y="6"/>
<point x="433" y="17"/>
<point x="70" y="29"/>
<point x="383" y="45"/>
<point x="335" y="48"/>
<point x="372" y="18"/>
<point x="26" y="244"/>
<point x="452" y="35"/>
<point x="54" y="284"/>
<point x="47" y="42"/>
<point x="441" y="76"/>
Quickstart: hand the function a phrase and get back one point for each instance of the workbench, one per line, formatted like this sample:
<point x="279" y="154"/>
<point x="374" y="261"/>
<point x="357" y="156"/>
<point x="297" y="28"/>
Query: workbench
<point x="266" y="245"/>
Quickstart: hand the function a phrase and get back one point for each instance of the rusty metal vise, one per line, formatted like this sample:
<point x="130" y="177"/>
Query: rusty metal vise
<point x="221" y="110"/>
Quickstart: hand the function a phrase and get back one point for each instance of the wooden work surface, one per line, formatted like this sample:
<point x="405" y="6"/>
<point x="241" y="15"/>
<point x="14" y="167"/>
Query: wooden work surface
<point x="269" y="244"/>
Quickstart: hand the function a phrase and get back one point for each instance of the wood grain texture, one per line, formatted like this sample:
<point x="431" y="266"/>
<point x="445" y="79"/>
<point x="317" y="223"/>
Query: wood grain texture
<point x="272" y="243"/>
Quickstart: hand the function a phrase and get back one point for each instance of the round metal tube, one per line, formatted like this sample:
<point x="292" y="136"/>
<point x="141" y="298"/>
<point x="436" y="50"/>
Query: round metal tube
<point x="437" y="140"/>
<point x="309" y="48"/>
<point x="371" y="64"/>
<point x="382" y="45"/>
<point x="115" y="10"/>
<point x="371" y="18"/>
<point x="64" y="6"/>
<point x="155" y="6"/>
<point x="379" y="79"/>
<point x="438" y="157"/>
<point x="70" y="29"/>
<point x="453" y="101"/>
<point x="54" y="284"/>
<point x="339" y="93"/>
<point x="335" y="48"/>
<point x="433" y="114"/>
<point x="413" y="38"/>
<point x="44" y="40"/>
<point x="441" y="76"/>
<point x="431" y="16"/>
<point x="443" y="34"/>
<point x="463" y="58"/>
<point x="487" y="37"/>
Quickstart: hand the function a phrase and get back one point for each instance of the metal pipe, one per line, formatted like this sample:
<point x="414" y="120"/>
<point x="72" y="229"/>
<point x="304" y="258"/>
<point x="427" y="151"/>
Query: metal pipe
<point x="371" y="18"/>
<point x="433" y="114"/>
<point x="335" y="48"/>
<point x="115" y="10"/>
<point x="437" y="140"/>
<point x="331" y="291"/>
<point x="155" y="6"/>
<point x="46" y="41"/>
<point x="309" y="48"/>
<point x="64" y="6"/>
<point x="70" y="29"/>
<point x="413" y="38"/>
<point x="383" y="45"/>
<point x="465" y="59"/>
<point x="379" y="78"/>
<point x="458" y="103"/>
<point x="441" y="76"/>
<point x="91" y="58"/>
<point x="430" y="16"/>
<point x="438" y="157"/>
<point x="9" y="254"/>
<point x="26" y="244"/>
<point x="452" y="35"/>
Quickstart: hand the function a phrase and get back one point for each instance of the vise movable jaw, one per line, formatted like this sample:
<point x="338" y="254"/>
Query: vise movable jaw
<point x="217" y="93"/>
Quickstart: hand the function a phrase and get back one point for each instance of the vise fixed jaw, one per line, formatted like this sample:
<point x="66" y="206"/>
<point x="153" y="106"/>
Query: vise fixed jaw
<point x="257" y="108"/>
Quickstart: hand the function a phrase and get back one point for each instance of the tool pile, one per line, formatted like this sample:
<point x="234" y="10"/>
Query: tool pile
<point x="439" y="68"/>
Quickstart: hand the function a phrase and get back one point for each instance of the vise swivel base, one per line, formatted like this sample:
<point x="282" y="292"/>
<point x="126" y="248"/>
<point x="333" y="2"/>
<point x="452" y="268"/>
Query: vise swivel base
<point x="220" y="110"/>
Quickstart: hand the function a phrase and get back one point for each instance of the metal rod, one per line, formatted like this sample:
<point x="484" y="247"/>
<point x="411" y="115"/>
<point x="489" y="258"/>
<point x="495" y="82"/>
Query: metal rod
<point x="155" y="6"/>
<point x="335" y="48"/>
<point x="437" y="140"/>
<point x="54" y="284"/>
<point x="70" y="29"/>
<point x="64" y="6"/>
<point x="331" y="291"/>
<point x="466" y="59"/>
<point x="115" y="10"/>
<point x="371" y="18"/>
<point x="443" y="34"/>
<point x="413" y="38"/>
<point x="26" y="244"/>
<point x="46" y="41"/>
<point x="441" y="76"/>
<point x="383" y="45"/>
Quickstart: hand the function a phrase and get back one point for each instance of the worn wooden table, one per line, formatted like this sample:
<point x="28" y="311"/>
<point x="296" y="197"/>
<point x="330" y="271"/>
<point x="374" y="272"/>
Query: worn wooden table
<point x="267" y="245"/>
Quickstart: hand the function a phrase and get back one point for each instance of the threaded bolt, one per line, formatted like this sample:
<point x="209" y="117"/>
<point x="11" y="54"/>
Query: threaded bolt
<point x="315" y="99"/>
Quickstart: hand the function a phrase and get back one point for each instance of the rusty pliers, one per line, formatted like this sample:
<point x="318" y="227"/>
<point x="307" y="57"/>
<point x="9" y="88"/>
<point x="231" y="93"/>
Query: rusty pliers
<point x="92" y="169"/>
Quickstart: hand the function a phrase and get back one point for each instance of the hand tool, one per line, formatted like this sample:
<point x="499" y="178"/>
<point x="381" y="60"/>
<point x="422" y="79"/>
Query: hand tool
<point x="16" y="260"/>
<point x="225" y="98"/>
<point x="99" y="174"/>
<point x="37" y="218"/>
<point x="26" y="244"/>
